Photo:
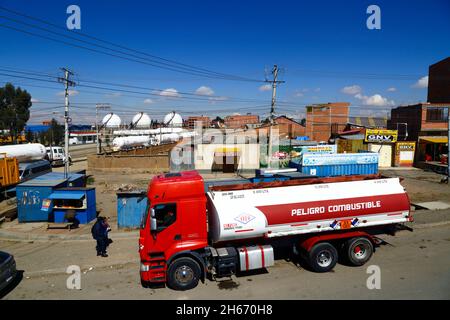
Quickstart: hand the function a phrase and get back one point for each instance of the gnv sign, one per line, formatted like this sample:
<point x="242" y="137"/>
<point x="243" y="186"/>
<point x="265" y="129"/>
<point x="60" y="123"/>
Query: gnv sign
<point x="383" y="136"/>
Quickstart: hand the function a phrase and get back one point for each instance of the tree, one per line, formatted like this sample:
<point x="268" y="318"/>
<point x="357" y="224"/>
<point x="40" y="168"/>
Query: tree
<point x="15" y="106"/>
<point x="56" y="133"/>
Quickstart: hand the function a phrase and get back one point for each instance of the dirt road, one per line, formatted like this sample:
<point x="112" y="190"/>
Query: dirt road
<point x="416" y="266"/>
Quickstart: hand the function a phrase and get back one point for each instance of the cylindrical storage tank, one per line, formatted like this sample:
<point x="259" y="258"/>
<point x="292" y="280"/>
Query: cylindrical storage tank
<point x="128" y="142"/>
<point x="111" y="120"/>
<point x="141" y="120"/>
<point x="167" y="138"/>
<point x="24" y="152"/>
<point x="299" y="209"/>
<point x="173" y="119"/>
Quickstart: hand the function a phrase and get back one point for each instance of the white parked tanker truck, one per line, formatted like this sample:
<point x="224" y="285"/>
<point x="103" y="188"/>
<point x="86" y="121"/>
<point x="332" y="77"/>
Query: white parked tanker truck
<point x="192" y="231"/>
<point x="24" y="152"/>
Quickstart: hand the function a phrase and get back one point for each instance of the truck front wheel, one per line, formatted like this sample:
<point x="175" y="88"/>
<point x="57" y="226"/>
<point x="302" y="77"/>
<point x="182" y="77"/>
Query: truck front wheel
<point x="358" y="251"/>
<point x="322" y="257"/>
<point x="183" y="274"/>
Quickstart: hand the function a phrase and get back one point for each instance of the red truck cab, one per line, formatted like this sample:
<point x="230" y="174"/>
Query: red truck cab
<point x="177" y="212"/>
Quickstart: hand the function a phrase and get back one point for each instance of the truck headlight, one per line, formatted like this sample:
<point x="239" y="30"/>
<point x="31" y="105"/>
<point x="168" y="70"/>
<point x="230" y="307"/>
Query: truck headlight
<point x="144" y="268"/>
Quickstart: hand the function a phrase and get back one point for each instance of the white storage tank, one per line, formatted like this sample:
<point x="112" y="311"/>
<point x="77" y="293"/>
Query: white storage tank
<point x="111" y="120"/>
<point x="167" y="138"/>
<point x="141" y="120"/>
<point x="132" y="141"/>
<point x="24" y="152"/>
<point x="173" y="119"/>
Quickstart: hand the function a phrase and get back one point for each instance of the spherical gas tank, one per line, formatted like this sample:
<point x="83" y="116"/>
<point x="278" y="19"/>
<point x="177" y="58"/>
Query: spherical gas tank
<point x="141" y="120"/>
<point x="111" y="120"/>
<point x="173" y="119"/>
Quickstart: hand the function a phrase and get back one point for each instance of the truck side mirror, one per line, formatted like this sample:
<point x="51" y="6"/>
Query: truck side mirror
<point x="153" y="225"/>
<point x="152" y="213"/>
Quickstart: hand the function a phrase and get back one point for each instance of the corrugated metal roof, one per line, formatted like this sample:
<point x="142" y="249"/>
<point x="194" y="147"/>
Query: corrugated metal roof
<point x="50" y="179"/>
<point x="69" y="195"/>
<point x="353" y="137"/>
<point x="374" y="122"/>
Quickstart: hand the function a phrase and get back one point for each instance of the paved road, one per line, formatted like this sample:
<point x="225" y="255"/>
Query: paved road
<point x="82" y="150"/>
<point x="416" y="266"/>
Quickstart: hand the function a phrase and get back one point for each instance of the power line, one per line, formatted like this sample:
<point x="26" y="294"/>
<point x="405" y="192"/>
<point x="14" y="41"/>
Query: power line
<point x="191" y="96"/>
<point x="163" y="63"/>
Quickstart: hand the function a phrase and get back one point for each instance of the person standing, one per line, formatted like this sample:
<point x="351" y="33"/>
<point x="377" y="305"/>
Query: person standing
<point x="100" y="234"/>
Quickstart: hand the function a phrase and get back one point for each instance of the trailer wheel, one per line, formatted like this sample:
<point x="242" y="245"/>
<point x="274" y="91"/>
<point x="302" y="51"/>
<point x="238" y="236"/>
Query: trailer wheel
<point x="358" y="251"/>
<point x="322" y="257"/>
<point x="183" y="274"/>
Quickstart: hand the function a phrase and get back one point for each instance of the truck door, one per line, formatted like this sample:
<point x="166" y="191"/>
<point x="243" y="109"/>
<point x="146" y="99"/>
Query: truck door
<point x="168" y="232"/>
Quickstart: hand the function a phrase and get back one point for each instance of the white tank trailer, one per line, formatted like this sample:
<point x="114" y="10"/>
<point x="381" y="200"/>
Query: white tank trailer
<point x="290" y="210"/>
<point x="24" y="152"/>
<point x="141" y="132"/>
<point x="167" y="138"/>
<point x="120" y="143"/>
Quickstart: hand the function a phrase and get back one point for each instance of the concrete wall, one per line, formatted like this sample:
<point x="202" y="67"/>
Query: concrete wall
<point x="148" y="163"/>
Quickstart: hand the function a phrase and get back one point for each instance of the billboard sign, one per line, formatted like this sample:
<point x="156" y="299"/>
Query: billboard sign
<point x="381" y="136"/>
<point x="324" y="148"/>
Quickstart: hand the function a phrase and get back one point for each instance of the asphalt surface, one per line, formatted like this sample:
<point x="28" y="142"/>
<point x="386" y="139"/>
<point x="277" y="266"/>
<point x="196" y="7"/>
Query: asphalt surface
<point x="416" y="265"/>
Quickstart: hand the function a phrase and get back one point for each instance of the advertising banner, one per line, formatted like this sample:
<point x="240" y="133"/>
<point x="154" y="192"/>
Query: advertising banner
<point x="381" y="136"/>
<point x="339" y="158"/>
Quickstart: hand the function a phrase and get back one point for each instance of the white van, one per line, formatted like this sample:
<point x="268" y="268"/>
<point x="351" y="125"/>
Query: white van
<point x="56" y="155"/>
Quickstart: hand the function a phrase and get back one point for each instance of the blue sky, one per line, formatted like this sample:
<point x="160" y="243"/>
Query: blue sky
<point x="324" y="50"/>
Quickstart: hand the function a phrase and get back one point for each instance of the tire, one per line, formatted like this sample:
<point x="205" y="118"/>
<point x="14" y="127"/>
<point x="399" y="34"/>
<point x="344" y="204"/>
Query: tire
<point x="183" y="274"/>
<point x="358" y="251"/>
<point x="322" y="257"/>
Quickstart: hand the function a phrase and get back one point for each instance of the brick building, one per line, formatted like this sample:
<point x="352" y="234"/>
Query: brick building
<point x="439" y="82"/>
<point x="323" y="120"/>
<point x="204" y="121"/>
<point x="426" y="123"/>
<point x="289" y="128"/>
<point x="239" y="121"/>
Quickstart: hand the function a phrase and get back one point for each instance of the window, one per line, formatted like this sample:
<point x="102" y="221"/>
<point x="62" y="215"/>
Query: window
<point x="69" y="203"/>
<point x="165" y="215"/>
<point x="439" y="114"/>
<point x="145" y="215"/>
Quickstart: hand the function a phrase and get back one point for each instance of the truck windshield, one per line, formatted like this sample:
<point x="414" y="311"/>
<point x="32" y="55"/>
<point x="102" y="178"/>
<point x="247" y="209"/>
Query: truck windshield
<point x="145" y="215"/>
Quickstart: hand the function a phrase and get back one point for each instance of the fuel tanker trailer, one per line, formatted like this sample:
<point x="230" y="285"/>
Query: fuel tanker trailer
<point x="193" y="231"/>
<point x="24" y="152"/>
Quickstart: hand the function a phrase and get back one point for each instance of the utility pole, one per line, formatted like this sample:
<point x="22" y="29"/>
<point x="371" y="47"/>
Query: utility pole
<point x="99" y="106"/>
<point x="274" y="82"/>
<point x="67" y="83"/>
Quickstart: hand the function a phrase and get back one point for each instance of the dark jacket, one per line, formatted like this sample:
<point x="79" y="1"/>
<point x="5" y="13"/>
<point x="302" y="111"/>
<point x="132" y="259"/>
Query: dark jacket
<point x="99" y="230"/>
